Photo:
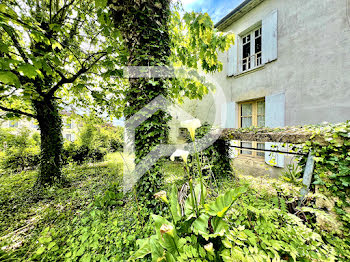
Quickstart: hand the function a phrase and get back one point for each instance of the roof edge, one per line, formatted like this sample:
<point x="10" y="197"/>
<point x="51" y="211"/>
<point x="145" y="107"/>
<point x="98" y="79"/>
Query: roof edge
<point x="237" y="13"/>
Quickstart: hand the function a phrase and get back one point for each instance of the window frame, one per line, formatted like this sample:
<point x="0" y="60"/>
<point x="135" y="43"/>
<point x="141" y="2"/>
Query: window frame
<point x="253" y="55"/>
<point x="254" y="154"/>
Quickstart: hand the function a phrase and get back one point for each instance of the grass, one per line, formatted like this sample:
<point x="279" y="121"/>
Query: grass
<point x="22" y="216"/>
<point x="82" y="221"/>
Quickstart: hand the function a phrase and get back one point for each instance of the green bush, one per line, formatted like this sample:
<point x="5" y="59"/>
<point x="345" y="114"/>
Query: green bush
<point x="19" y="151"/>
<point x="81" y="154"/>
<point x="96" y="134"/>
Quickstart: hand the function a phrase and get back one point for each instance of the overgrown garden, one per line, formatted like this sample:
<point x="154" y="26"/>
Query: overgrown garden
<point x="64" y="201"/>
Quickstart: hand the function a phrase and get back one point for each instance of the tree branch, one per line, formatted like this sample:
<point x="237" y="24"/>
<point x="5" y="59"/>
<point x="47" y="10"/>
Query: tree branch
<point x="15" y="111"/>
<point x="15" y="42"/>
<point x="20" y="22"/>
<point x="70" y="80"/>
<point x="62" y="9"/>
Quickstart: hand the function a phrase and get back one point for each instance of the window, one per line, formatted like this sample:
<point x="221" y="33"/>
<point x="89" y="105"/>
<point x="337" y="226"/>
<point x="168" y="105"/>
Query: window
<point x="251" y="50"/>
<point x="252" y="113"/>
<point x="69" y="137"/>
<point x="13" y="123"/>
<point x="257" y="45"/>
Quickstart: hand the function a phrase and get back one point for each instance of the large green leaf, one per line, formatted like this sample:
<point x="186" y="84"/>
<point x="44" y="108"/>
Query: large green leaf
<point x="200" y="225"/>
<point x="166" y="241"/>
<point x="174" y="205"/>
<point x="7" y="10"/>
<point x="28" y="70"/>
<point x="9" y="78"/>
<point x="144" y="249"/>
<point x="223" y="202"/>
<point x="217" y="226"/>
<point x="156" y="248"/>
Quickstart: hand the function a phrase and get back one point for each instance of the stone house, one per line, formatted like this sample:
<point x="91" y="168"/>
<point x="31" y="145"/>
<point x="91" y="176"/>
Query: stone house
<point x="290" y="65"/>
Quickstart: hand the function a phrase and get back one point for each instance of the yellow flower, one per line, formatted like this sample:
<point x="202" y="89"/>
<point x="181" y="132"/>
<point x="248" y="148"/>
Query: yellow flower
<point x="162" y="196"/>
<point x="167" y="229"/>
<point x="209" y="248"/>
<point x="191" y="126"/>
<point x="184" y="154"/>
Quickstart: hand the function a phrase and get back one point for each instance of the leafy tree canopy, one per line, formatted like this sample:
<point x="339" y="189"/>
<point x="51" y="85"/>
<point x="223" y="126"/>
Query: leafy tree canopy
<point x="69" y="51"/>
<point x="58" y="50"/>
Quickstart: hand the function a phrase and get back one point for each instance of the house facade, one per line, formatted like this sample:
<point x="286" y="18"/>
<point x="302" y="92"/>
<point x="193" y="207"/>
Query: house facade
<point x="290" y="65"/>
<point x="70" y="127"/>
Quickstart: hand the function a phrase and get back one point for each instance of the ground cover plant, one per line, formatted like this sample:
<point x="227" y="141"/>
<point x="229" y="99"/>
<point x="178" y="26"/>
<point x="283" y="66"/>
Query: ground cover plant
<point x="237" y="218"/>
<point x="62" y="201"/>
<point x="251" y="219"/>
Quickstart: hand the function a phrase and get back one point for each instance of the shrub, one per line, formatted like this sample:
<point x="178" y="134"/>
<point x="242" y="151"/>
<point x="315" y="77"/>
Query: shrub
<point x="81" y="154"/>
<point x="98" y="135"/>
<point x="19" y="151"/>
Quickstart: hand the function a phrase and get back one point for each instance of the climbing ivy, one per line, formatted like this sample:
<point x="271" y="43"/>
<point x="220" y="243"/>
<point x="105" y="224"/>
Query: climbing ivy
<point x="155" y="36"/>
<point x="331" y="175"/>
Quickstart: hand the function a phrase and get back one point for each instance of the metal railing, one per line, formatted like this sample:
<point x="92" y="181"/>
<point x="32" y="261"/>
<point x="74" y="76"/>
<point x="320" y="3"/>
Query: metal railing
<point x="246" y="63"/>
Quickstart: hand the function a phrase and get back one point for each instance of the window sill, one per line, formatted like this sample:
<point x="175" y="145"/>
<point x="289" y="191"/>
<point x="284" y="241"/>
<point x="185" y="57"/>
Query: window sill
<point x="250" y="71"/>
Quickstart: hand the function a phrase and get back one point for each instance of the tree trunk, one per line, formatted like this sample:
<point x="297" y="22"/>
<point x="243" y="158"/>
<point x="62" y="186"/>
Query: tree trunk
<point x="50" y="125"/>
<point x="144" y="26"/>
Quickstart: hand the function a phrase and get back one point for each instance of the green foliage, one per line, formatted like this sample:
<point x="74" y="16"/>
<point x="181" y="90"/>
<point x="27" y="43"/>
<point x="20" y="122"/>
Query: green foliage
<point x="182" y="238"/>
<point x="292" y="174"/>
<point x="263" y="230"/>
<point x="40" y="44"/>
<point x="19" y="151"/>
<point x="330" y="145"/>
<point x="332" y="171"/>
<point x="99" y="234"/>
<point x="215" y="158"/>
<point x="80" y="154"/>
<point x="96" y="133"/>
<point x="89" y="219"/>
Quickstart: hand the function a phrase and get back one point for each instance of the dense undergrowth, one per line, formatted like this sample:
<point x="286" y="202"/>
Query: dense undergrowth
<point x="241" y="218"/>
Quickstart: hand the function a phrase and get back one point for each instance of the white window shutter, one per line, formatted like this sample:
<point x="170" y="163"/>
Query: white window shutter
<point x="229" y="121"/>
<point x="269" y="37"/>
<point x="232" y="60"/>
<point x="228" y="115"/>
<point x="274" y="117"/>
<point x="233" y="153"/>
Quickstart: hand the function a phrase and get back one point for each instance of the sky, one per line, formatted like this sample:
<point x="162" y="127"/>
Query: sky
<point x="217" y="9"/>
